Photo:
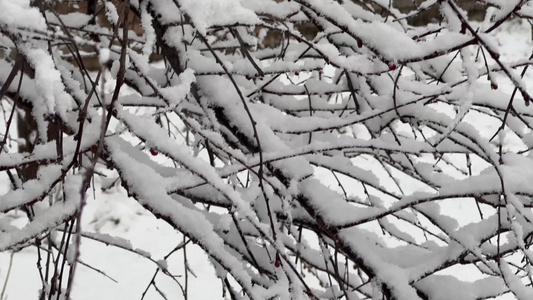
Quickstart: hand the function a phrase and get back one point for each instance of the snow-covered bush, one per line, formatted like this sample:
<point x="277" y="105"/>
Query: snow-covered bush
<point x="369" y="159"/>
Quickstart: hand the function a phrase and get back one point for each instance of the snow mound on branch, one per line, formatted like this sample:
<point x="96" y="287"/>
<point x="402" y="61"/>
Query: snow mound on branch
<point x="48" y="81"/>
<point x="206" y="13"/>
<point x="19" y="13"/>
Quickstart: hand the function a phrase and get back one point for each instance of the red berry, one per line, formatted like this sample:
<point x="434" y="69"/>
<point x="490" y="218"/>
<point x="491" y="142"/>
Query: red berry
<point x="153" y="152"/>
<point x="392" y="67"/>
<point x="277" y="264"/>
<point x="296" y="73"/>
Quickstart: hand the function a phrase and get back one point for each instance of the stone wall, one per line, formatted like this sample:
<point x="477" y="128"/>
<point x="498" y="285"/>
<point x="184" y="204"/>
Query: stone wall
<point x="475" y="9"/>
<point x="476" y="12"/>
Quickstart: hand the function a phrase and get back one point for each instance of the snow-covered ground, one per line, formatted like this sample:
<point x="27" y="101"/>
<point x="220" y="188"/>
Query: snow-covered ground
<point x="112" y="212"/>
